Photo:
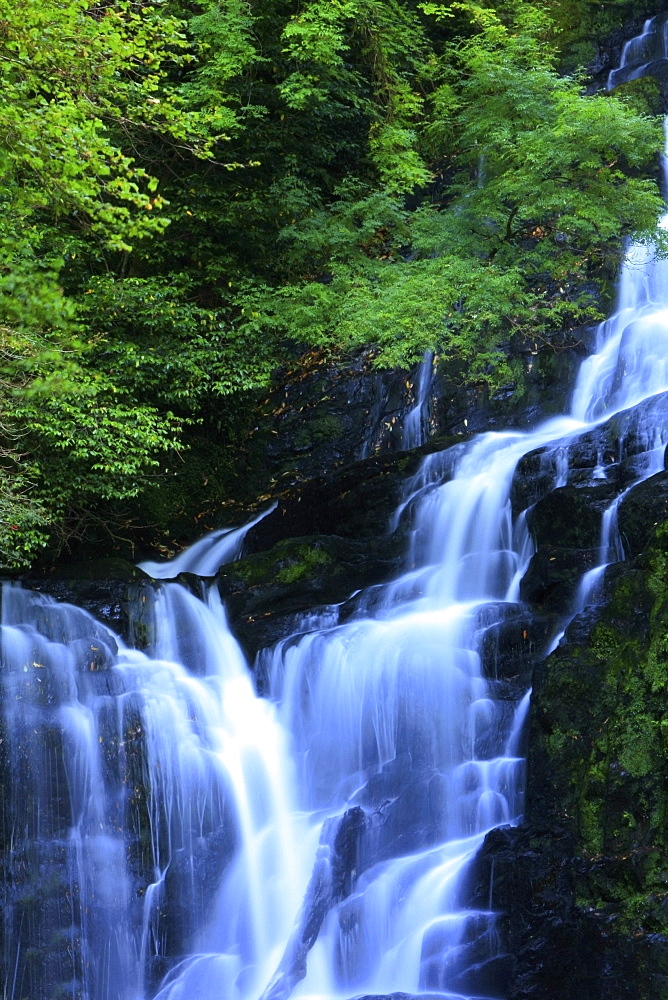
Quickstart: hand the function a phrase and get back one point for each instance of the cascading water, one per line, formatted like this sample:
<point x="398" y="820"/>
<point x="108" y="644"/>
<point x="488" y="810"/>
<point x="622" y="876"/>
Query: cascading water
<point x="174" y="835"/>
<point x="206" y="556"/>
<point x="415" y="430"/>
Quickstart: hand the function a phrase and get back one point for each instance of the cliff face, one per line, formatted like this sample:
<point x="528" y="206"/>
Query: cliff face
<point x="583" y="882"/>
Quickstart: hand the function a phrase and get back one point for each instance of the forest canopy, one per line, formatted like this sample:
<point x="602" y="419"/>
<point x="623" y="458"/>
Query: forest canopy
<point x="194" y="193"/>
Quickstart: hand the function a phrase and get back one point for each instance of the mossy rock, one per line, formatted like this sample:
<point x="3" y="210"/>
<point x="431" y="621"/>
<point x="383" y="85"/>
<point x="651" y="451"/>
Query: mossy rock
<point x="266" y="592"/>
<point x="584" y="883"/>
<point x="290" y="561"/>
<point x="598" y="764"/>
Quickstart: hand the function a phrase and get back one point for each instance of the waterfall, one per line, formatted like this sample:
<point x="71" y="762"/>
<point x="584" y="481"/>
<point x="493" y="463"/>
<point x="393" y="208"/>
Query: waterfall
<point x="415" y="430"/>
<point x="207" y="555"/>
<point x="173" y="835"/>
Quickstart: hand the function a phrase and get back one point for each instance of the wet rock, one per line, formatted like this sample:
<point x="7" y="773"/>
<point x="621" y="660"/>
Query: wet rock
<point x="528" y="875"/>
<point x="324" y="414"/>
<point x="484" y="972"/>
<point x="641" y="511"/>
<point x="191" y="883"/>
<point x="613" y="450"/>
<point x="108" y="599"/>
<point x="553" y="576"/>
<point x="510" y="647"/>
<point x="570" y="517"/>
<point x="266" y="593"/>
<point x="345" y="861"/>
<point x="409" y="819"/>
<point x="400" y="996"/>
<point x="535" y="475"/>
<point x="582" y="885"/>
<point x="538" y="883"/>
<point x="47" y="915"/>
<point x="355" y="502"/>
<point x="473" y="966"/>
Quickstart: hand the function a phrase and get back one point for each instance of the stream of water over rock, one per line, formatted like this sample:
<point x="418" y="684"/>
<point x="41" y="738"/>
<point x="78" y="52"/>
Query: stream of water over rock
<point x="174" y="835"/>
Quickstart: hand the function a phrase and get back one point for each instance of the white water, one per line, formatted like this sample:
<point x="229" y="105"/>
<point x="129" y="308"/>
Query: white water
<point x="415" y="429"/>
<point x="176" y="818"/>
<point x="207" y="555"/>
<point x="642" y="54"/>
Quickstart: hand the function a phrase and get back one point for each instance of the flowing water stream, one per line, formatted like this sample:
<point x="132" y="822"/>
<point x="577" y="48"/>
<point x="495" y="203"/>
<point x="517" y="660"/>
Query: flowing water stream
<point x="176" y="836"/>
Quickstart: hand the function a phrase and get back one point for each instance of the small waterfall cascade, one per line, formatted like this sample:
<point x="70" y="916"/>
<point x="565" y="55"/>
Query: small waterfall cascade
<point x="415" y="429"/>
<point x="174" y="836"/>
<point x="644" y="55"/>
<point x="207" y="555"/>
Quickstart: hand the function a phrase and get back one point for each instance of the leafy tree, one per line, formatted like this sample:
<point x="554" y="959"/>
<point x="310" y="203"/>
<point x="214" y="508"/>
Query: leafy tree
<point x="192" y="193"/>
<point x="542" y="182"/>
<point x="94" y="95"/>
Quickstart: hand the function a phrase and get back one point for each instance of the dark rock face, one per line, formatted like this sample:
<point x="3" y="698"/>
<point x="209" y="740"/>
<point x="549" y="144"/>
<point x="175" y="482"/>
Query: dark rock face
<point x="553" y="576"/>
<point x="357" y="501"/>
<point x="582" y="885"/>
<point x="565" y="526"/>
<point x="570" y="517"/>
<point x="106" y="588"/>
<point x="613" y="449"/>
<point x="510" y="648"/>
<point x="401" y="996"/>
<point x="324" y="415"/>
<point x="641" y="511"/>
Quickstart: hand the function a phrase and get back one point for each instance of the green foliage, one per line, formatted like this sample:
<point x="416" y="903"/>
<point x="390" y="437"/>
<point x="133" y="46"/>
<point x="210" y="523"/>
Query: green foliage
<point x="543" y="182"/>
<point x="95" y="96"/>
<point x="153" y="340"/>
<point x="191" y="194"/>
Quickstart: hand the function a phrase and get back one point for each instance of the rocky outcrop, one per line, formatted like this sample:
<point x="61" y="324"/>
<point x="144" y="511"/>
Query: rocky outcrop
<point x="325" y="414"/>
<point x="582" y="884"/>
<point x="106" y="588"/>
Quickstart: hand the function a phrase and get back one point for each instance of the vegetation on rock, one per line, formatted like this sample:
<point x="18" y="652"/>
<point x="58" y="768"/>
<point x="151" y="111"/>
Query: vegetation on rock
<point x="598" y="747"/>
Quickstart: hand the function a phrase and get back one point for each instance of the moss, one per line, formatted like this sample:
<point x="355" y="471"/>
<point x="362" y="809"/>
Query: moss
<point x="289" y="561"/>
<point x="602" y="706"/>
<point x="644" y="95"/>
<point x="309" y="558"/>
<point x="316" y="431"/>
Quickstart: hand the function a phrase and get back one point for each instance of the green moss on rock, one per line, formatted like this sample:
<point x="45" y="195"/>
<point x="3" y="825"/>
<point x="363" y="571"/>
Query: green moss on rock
<point x="289" y="561"/>
<point x="600" y="745"/>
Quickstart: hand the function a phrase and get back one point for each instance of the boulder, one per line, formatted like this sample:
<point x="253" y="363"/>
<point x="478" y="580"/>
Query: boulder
<point x="642" y="511"/>
<point x="570" y="517"/>
<point x="553" y="577"/>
